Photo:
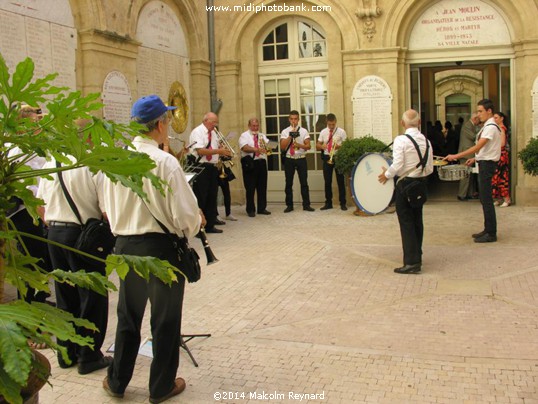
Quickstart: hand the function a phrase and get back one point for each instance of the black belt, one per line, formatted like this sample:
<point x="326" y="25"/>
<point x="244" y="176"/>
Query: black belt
<point x="408" y="179"/>
<point x="63" y="224"/>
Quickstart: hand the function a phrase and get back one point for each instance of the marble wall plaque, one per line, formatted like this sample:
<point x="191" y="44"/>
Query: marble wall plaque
<point x="459" y="23"/>
<point x="43" y="30"/>
<point x="372" y="109"/>
<point x="117" y="98"/>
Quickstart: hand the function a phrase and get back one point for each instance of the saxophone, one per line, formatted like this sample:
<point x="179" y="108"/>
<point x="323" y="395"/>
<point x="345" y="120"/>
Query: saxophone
<point x="263" y="145"/>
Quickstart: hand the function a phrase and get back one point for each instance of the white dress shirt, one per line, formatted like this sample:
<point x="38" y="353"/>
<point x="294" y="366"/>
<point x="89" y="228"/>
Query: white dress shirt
<point x="85" y="189"/>
<point x="492" y="149"/>
<point x="405" y="156"/>
<point x="199" y="136"/>
<point x="339" y="135"/>
<point x="177" y="209"/>
<point x="247" y="139"/>
<point x="303" y="135"/>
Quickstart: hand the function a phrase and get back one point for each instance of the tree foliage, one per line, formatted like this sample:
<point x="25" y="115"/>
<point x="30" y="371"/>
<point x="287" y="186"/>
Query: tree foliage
<point x="55" y="136"/>
<point x="529" y="157"/>
<point x="352" y="149"/>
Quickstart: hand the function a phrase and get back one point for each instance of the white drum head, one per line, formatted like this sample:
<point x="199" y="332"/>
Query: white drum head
<point x="369" y="194"/>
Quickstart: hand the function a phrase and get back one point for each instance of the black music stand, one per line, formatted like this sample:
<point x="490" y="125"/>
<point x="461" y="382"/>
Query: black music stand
<point x="183" y="344"/>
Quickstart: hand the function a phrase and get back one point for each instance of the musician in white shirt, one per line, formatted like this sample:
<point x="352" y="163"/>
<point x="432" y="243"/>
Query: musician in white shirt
<point x="329" y="141"/>
<point x="296" y="141"/>
<point x="412" y="170"/>
<point x="134" y="221"/>
<point x="255" y="176"/>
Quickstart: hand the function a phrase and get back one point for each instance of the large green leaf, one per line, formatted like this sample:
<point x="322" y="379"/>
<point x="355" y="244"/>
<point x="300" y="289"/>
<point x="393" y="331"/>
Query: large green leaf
<point x="143" y="266"/>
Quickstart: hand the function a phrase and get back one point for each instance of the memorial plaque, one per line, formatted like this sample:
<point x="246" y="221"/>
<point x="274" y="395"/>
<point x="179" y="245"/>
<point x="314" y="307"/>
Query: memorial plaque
<point x="42" y="30"/>
<point x="534" y="95"/>
<point x="159" y="28"/>
<point x="372" y="109"/>
<point x="117" y="98"/>
<point x="459" y="23"/>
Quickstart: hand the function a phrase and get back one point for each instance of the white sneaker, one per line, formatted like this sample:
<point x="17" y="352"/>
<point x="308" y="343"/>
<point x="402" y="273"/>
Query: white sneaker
<point x="505" y="204"/>
<point x="231" y="218"/>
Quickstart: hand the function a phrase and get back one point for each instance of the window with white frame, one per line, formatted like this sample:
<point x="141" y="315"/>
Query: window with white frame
<point x="293" y="76"/>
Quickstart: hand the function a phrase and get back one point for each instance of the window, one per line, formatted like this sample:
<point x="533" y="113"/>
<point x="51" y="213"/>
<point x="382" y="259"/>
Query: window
<point x="298" y="81"/>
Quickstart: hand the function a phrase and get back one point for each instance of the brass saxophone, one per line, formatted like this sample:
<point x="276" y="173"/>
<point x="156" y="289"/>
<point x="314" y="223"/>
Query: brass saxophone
<point x="263" y="145"/>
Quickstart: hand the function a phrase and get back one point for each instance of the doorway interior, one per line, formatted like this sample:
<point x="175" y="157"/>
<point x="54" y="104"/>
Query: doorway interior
<point x="447" y="93"/>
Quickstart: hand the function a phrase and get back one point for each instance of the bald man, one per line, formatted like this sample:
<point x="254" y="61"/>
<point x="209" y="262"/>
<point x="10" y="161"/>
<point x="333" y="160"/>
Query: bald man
<point x="206" y="152"/>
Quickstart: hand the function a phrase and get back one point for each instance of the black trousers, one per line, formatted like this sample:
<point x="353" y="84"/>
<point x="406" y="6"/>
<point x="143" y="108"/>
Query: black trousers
<point x="205" y="187"/>
<point x="80" y="302"/>
<point x="411" y="227"/>
<point x="486" y="169"/>
<point x="290" y="166"/>
<point x="37" y="249"/>
<point x="224" y="184"/>
<point x="255" y="182"/>
<point x="328" y="177"/>
<point x="166" y="309"/>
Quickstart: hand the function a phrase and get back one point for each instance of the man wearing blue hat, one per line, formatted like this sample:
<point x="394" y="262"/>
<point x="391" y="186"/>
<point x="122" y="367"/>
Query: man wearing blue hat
<point x="136" y="225"/>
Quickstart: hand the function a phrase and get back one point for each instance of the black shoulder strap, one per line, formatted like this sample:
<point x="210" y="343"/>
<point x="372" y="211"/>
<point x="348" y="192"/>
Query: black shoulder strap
<point x="68" y="196"/>
<point x="421" y="160"/>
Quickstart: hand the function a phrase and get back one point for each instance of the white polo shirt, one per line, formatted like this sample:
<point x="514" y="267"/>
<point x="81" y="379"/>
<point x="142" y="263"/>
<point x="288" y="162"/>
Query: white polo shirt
<point x="177" y="209"/>
<point x="492" y="148"/>
<point x="85" y="189"/>
<point x="303" y="135"/>
<point x="200" y="137"/>
<point x="339" y="135"/>
<point x="247" y="139"/>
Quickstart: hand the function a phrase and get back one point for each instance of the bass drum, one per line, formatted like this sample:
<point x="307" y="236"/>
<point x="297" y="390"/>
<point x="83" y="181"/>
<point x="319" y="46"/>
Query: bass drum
<point x="368" y="193"/>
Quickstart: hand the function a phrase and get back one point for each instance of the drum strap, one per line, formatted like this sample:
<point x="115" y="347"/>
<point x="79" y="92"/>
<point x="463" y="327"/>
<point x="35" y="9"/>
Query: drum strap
<point x="421" y="160"/>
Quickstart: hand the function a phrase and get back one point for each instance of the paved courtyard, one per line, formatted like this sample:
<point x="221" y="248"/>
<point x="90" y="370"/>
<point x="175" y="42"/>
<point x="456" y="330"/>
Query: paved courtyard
<point x="307" y="304"/>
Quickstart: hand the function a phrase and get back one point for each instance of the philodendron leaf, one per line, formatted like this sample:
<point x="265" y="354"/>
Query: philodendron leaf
<point x="143" y="266"/>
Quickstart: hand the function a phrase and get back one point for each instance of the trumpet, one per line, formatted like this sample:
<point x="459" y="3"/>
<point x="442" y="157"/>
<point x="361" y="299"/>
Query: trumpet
<point x="295" y="134"/>
<point x="263" y="145"/>
<point x="331" y="153"/>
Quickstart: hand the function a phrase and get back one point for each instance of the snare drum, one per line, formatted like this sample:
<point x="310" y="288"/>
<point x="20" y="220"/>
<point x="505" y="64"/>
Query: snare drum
<point x="453" y="172"/>
<point x="368" y="193"/>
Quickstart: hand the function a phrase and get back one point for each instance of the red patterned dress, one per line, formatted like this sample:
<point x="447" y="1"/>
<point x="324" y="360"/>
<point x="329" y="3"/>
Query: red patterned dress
<point x="500" y="182"/>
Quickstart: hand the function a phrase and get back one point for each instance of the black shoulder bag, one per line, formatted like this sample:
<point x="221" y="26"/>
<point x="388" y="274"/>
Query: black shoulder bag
<point x="188" y="257"/>
<point x="96" y="238"/>
<point x="416" y="192"/>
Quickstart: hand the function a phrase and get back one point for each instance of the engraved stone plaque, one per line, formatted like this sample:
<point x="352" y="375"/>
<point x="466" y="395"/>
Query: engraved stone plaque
<point x="372" y="109"/>
<point x="116" y="98"/>
<point x="459" y="23"/>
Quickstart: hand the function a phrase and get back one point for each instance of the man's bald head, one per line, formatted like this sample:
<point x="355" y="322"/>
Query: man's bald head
<point x="411" y="119"/>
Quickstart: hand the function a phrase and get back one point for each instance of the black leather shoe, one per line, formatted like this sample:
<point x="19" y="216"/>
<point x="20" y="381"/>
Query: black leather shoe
<point x="325" y="207"/>
<point x="462" y="199"/>
<point x="288" y="209"/>
<point x="251" y="214"/>
<point x="483" y="232"/>
<point x="309" y="208"/>
<point x="214" y="230"/>
<point x="220" y="222"/>
<point x="408" y="269"/>
<point x="264" y="212"/>
<point x="109" y="391"/>
<point x="88" y="367"/>
<point x="343" y="207"/>
<point x="486" y="238"/>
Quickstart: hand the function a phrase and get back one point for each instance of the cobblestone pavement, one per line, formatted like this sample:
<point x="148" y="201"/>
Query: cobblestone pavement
<point x="307" y="303"/>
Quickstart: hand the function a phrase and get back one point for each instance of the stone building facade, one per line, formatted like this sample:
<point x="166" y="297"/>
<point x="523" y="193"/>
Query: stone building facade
<point x="364" y="60"/>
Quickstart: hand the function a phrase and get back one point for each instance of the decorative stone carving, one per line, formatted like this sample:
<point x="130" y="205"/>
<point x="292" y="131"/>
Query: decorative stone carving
<point x="368" y="12"/>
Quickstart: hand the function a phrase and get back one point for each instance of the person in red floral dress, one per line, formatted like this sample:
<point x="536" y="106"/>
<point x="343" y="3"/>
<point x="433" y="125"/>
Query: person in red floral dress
<point x="501" y="179"/>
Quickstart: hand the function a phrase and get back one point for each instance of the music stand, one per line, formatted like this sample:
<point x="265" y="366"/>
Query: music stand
<point x="183" y="344"/>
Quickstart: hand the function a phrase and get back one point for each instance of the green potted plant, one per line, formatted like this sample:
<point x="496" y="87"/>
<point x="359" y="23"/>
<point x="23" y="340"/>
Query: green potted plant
<point x="58" y="137"/>
<point x="350" y="152"/>
<point x="529" y="157"/>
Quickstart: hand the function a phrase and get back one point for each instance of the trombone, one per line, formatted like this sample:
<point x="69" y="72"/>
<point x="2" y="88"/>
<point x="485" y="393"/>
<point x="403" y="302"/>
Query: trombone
<point x="223" y="160"/>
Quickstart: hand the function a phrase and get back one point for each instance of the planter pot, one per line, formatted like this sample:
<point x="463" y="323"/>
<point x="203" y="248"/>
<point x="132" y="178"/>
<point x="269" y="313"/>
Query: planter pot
<point x="38" y="377"/>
